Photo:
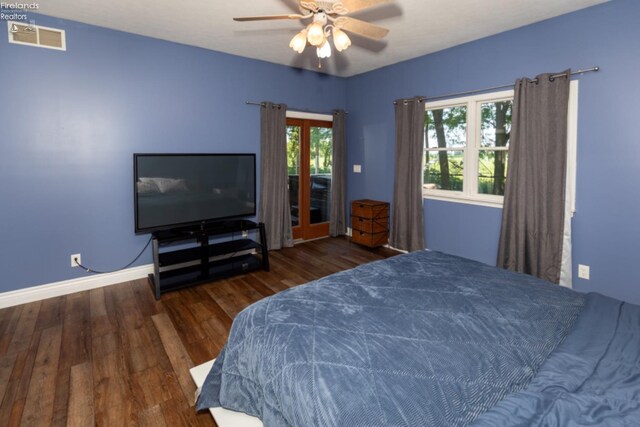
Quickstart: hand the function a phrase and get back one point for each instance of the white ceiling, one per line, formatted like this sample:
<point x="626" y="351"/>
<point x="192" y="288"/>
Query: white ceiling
<point x="418" y="27"/>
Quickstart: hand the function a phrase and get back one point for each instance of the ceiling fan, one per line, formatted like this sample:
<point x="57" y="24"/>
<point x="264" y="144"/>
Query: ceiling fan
<point x="329" y="18"/>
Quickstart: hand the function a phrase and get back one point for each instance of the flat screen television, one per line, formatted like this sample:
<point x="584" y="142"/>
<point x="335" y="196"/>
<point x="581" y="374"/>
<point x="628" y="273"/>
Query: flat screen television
<point x="180" y="190"/>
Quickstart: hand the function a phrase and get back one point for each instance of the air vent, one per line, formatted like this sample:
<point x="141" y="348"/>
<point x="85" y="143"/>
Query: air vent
<point x="35" y="35"/>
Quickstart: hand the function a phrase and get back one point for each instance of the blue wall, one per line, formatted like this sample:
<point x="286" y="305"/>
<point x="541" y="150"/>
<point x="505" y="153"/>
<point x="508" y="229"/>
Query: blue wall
<point x="72" y="120"/>
<point x="606" y="227"/>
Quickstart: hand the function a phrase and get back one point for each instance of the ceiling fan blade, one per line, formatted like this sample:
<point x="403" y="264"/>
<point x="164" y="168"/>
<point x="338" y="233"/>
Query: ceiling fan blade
<point x="362" y="28"/>
<point x="310" y="6"/>
<point x="356" y="5"/>
<point x="268" y="17"/>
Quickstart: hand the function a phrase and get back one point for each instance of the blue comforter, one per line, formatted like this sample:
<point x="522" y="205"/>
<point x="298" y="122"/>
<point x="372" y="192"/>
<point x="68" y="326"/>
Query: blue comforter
<point x="415" y="340"/>
<point x="591" y="379"/>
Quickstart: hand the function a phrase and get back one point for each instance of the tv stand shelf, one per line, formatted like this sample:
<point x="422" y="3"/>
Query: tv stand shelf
<point x="208" y="261"/>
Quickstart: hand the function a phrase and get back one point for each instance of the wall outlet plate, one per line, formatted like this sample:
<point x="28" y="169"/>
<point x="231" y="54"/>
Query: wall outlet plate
<point x="584" y="271"/>
<point x="75" y="257"/>
<point x="357" y="168"/>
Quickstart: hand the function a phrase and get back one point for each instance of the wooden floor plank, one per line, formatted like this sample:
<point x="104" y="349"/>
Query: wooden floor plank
<point x="241" y="287"/>
<point x="98" y="307"/>
<point x="152" y="387"/>
<point x="51" y="313"/>
<point x="185" y="321"/>
<point x="16" y="392"/>
<point x="145" y="299"/>
<point x="5" y="313"/>
<point x="80" y="408"/>
<point x="257" y="285"/>
<point x="76" y="336"/>
<point x="152" y="417"/>
<point x="112" y="405"/>
<point x="61" y="401"/>
<point x="300" y="269"/>
<point x="6" y="368"/>
<point x="230" y="301"/>
<point x="138" y="348"/>
<point x="38" y="409"/>
<point x="213" y="307"/>
<point x="123" y="358"/>
<point x="272" y="281"/>
<point x="178" y="355"/>
<point x="76" y="350"/>
<point x="25" y="327"/>
<point x="15" y="415"/>
<point x="123" y="298"/>
<point x="8" y="326"/>
<point x="216" y="333"/>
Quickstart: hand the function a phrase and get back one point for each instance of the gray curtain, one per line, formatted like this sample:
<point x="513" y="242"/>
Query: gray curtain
<point x="338" y="216"/>
<point x="534" y="203"/>
<point x="274" y="210"/>
<point x="407" y="222"/>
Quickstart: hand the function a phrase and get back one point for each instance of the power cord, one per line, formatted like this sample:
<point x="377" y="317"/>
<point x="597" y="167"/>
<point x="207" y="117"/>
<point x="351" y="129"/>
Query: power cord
<point x="89" y="270"/>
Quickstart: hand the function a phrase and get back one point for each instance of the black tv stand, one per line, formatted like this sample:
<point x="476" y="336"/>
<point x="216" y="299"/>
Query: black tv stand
<point x="235" y="253"/>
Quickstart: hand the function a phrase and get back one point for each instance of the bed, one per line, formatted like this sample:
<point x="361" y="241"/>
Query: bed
<point x="430" y="339"/>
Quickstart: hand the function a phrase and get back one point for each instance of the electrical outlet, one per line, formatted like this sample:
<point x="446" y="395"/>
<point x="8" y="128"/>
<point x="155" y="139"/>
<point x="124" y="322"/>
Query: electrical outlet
<point x="74" y="258"/>
<point x="584" y="271"/>
<point x="357" y="168"/>
<point x="245" y="234"/>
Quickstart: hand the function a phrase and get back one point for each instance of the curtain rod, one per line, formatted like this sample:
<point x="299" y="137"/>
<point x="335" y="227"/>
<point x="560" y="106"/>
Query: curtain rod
<point x="487" y="89"/>
<point x="300" y="110"/>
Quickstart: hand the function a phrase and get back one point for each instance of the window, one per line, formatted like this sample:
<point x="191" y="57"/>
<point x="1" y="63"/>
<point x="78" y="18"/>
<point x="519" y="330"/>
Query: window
<point x="466" y="148"/>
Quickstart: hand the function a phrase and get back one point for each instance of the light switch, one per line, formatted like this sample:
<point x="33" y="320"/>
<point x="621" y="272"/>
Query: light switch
<point x="357" y="168"/>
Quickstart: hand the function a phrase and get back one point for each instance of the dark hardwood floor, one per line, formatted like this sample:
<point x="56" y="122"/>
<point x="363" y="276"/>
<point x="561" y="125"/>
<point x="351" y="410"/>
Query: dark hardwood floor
<point x="116" y="356"/>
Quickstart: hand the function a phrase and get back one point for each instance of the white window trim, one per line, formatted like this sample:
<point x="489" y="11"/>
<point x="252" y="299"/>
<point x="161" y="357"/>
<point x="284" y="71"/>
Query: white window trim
<point x="473" y="141"/>
<point x="572" y="144"/>
<point x="309" y="116"/>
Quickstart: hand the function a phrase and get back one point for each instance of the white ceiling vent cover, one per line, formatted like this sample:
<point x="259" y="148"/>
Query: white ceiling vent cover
<point x="37" y="36"/>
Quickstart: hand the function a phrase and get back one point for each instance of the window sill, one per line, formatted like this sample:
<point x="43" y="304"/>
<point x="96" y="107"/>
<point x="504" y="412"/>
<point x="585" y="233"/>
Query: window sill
<point x="488" y="201"/>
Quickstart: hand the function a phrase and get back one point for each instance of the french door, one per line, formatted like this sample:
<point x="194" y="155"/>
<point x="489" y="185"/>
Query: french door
<point x="310" y="161"/>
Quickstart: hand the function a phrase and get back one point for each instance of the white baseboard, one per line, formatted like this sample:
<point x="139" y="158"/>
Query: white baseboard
<point x="37" y="293"/>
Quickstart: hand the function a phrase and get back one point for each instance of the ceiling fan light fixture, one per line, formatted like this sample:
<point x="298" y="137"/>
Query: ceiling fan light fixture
<point x="341" y="39"/>
<point x="328" y="19"/>
<point x="315" y="34"/>
<point x="324" y="51"/>
<point x="299" y="41"/>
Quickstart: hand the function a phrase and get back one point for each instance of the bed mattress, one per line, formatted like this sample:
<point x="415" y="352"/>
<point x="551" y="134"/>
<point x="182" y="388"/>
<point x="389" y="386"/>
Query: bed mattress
<point x="418" y="339"/>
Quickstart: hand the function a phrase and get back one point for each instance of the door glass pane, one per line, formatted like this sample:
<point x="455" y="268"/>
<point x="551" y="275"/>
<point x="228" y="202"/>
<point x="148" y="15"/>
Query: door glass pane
<point x="492" y="171"/>
<point x="443" y="170"/>
<point x="293" y="163"/>
<point x="321" y="152"/>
